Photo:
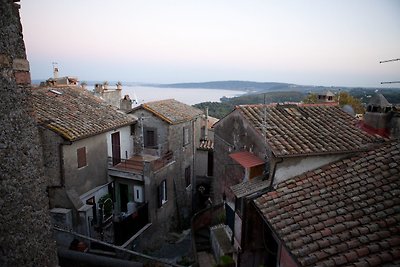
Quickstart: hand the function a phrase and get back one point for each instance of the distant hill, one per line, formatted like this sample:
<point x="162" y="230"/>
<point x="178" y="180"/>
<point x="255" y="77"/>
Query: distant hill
<point x="221" y="109"/>
<point x="234" y="85"/>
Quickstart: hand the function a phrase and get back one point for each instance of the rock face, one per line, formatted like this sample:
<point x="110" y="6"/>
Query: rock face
<point x="25" y="231"/>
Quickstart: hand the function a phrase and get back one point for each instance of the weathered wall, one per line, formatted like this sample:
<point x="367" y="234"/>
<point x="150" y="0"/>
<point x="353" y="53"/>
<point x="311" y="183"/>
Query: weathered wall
<point x="184" y="156"/>
<point x="51" y="143"/>
<point x="232" y="134"/>
<point x="291" y="167"/>
<point x="201" y="166"/>
<point x="148" y="120"/>
<point x="25" y="233"/>
<point x="126" y="142"/>
<point x="164" y="218"/>
<point x="95" y="173"/>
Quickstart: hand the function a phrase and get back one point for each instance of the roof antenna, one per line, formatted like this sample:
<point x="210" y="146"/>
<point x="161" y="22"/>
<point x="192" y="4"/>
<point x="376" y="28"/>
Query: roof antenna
<point x="389" y="60"/>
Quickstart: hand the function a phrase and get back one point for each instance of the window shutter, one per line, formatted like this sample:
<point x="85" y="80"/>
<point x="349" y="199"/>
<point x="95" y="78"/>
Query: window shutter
<point x="81" y="154"/>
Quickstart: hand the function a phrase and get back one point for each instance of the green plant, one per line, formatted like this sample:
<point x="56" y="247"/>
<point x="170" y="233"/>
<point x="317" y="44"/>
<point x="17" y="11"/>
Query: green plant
<point x="106" y="203"/>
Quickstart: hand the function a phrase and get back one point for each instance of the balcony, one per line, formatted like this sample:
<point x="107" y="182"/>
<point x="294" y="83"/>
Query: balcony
<point x="138" y="165"/>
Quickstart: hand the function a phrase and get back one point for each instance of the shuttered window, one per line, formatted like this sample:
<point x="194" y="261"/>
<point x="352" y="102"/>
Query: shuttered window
<point x="81" y="155"/>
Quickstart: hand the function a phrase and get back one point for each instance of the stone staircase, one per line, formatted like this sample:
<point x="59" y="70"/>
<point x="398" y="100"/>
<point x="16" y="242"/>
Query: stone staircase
<point x="202" y="238"/>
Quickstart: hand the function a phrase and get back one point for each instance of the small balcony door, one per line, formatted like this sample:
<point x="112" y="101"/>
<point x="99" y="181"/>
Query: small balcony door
<point x="116" y="148"/>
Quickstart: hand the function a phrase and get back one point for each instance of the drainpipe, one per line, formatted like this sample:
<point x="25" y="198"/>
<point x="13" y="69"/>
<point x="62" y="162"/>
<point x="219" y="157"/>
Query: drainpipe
<point x="276" y="162"/>
<point x="206" y="126"/>
<point x="194" y="162"/>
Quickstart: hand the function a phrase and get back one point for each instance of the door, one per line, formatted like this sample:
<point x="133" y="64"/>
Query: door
<point x="116" y="148"/>
<point x="123" y="197"/>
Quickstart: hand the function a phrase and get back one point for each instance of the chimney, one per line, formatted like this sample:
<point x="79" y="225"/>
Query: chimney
<point x="119" y="86"/>
<point x="206" y="126"/>
<point x="126" y="103"/>
<point x="55" y="70"/>
<point x="378" y="115"/>
<point x="105" y="85"/>
<point x="83" y="85"/>
<point x="98" y="88"/>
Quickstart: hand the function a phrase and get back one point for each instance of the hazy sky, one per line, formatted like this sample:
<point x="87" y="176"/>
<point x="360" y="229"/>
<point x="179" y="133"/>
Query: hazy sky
<point x="302" y="41"/>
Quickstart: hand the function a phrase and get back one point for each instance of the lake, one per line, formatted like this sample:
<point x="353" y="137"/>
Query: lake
<point x="188" y="96"/>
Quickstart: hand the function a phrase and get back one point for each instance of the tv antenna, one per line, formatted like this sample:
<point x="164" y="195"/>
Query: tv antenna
<point x="386" y="61"/>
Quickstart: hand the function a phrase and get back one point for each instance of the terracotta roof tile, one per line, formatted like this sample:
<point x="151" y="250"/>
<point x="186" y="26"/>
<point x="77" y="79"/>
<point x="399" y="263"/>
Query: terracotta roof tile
<point x="296" y="130"/>
<point x="206" y="145"/>
<point x="344" y="220"/>
<point x="74" y="113"/>
<point x="171" y="111"/>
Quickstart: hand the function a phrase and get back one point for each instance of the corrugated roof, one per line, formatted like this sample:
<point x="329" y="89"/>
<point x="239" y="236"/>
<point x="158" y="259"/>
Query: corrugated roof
<point x="246" y="159"/>
<point x="296" y="130"/>
<point x="172" y="111"/>
<point x="345" y="213"/>
<point x="75" y="113"/>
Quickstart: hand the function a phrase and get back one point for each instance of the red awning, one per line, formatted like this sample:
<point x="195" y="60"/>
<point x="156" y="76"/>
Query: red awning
<point x="246" y="159"/>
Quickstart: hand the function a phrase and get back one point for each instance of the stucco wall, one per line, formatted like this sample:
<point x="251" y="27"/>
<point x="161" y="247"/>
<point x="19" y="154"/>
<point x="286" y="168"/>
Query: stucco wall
<point x="291" y="167"/>
<point x="94" y="173"/>
<point x="25" y="233"/>
<point x="232" y="134"/>
<point x="126" y="142"/>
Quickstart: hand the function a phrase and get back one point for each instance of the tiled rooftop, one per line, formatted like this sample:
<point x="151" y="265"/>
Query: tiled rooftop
<point x="249" y="187"/>
<point x="172" y="111"/>
<point x="344" y="214"/>
<point x="295" y="130"/>
<point x="75" y="113"/>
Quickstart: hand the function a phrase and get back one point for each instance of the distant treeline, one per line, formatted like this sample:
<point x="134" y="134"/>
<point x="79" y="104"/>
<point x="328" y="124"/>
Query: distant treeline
<point x="221" y="109"/>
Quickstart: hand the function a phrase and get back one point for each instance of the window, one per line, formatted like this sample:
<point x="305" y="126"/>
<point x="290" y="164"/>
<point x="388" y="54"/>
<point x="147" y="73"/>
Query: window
<point x="138" y="193"/>
<point x="81" y="155"/>
<point x="185" y="136"/>
<point x="162" y="193"/>
<point x="150" y="140"/>
<point x="188" y="176"/>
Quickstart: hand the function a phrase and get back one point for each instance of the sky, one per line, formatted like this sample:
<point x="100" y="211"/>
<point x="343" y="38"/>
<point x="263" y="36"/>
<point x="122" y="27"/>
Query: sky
<point x="308" y="42"/>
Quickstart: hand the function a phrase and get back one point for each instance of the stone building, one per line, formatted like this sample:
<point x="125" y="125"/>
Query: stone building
<point x="79" y="132"/>
<point x="25" y="230"/>
<point x="258" y="147"/>
<point x="111" y="96"/>
<point x="381" y="118"/>
<point x="345" y="213"/>
<point x="170" y="130"/>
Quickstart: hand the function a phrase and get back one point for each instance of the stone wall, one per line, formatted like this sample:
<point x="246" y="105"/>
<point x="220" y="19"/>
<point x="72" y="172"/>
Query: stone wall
<point x="25" y="233"/>
<point x="232" y="134"/>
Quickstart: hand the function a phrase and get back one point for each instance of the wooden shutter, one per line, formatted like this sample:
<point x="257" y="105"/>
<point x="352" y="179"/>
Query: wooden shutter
<point x="81" y="154"/>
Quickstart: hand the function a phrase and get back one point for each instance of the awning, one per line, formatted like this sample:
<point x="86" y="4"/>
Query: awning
<point x="246" y="159"/>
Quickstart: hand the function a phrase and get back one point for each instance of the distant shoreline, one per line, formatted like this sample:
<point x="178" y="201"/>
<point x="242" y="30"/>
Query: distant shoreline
<point x="248" y="86"/>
